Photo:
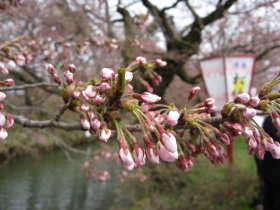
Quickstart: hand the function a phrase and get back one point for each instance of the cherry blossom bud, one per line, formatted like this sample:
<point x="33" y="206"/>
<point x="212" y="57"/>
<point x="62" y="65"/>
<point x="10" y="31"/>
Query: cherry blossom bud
<point x="128" y="76"/>
<point x="194" y="91"/>
<point x="83" y="92"/>
<point x="2" y="96"/>
<point x="107" y="74"/>
<point x="105" y="87"/>
<point x="139" y="156"/>
<point x="71" y="68"/>
<point x="173" y="117"/>
<point x="11" y="64"/>
<point x="160" y="62"/>
<point x="8" y="82"/>
<point x="152" y="155"/>
<point x="95" y="124"/>
<point x="69" y="77"/>
<point x="76" y="94"/>
<point x="249" y="113"/>
<point x="1" y="106"/>
<point x="56" y="79"/>
<point x="104" y="135"/>
<point x="3" y="133"/>
<point x="209" y="102"/>
<point x="84" y="122"/>
<point x="51" y="69"/>
<point x="147" y="97"/>
<point x="182" y="163"/>
<point x="129" y="167"/>
<point x="90" y="92"/>
<point x="9" y="122"/>
<point x="84" y="107"/>
<point x="168" y="141"/>
<point x="98" y="100"/>
<point x="165" y="155"/>
<point x="141" y="60"/>
<point x="146" y="86"/>
<point x="276" y="150"/>
<point x="2" y="119"/>
<point x="255" y="101"/>
<point x="125" y="156"/>
<point x="243" y="98"/>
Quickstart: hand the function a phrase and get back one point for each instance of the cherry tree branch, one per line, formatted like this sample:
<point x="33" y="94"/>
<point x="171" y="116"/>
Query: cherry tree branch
<point x="26" y="86"/>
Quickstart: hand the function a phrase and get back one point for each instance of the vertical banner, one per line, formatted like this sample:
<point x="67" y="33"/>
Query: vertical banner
<point x="226" y="76"/>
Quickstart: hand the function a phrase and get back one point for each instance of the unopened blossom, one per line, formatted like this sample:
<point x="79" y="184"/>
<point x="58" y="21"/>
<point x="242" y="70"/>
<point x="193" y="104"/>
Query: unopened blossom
<point x="128" y="76"/>
<point x="160" y="62"/>
<point x="276" y="150"/>
<point x="147" y="97"/>
<point x="139" y="156"/>
<point x="98" y="100"/>
<point x="105" y="87"/>
<point x="95" y="124"/>
<point x="249" y="113"/>
<point x="69" y="77"/>
<point x="255" y="101"/>
<point x="141" y="60"/>
<point x="173" y="117"/>
<point x="194" y="91"/>
<point x="152" y="155"/>
<point x="3" y="69"/>
<point x="9" y="82"/>
<point x="125" y="156"/>
<point x="83" y="92"/>
<point x="2" y="119"/>
<point x="107" y="74"/>
<point x="275" y="119"/>
<point x="84" y="122"/>
<point x="146" y="86"/>
<point x="2" y="96"/>
<point x="11" y="64"/>
<point x="209" y="102"/>
<point x="71" y="68"/>
<point x="56" y="79"/>
<point x="165" y="155"/>
<point x="76" y="94"/>
<point x="3" y="133"/>
<point x="9" y="122"/>
<point x="243" y="98"/>
<point x="168" y="141"/>
<point x="105" y="134"/>
<point x="84" y="107"/>
<point x="90" y="91"/>
<point x="50" y="69"/>
<point x="20" y="59"/>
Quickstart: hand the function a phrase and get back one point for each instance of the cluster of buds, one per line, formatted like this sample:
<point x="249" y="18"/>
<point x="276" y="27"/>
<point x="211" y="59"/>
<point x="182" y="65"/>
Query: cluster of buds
<point x="108" y="44"/>
<point x="6" y="120"/>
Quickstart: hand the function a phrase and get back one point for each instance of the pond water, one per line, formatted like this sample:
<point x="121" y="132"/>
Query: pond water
<point x="54" y="183"/>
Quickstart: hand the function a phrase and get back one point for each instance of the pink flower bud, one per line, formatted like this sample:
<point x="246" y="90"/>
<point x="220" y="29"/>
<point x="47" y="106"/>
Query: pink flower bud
<point x="95" y="124"/>
<point x="147" y="97"/>
<point x="249" y="113"/>
<point x="3" y="133"/>
<point x="243" y="98"/>
<point x="105" y="87"/>
<point x="98" y="100"/>
<point x="128" y="76"/>
<point x="90" y="91"/>
<point x="9" y="82"/>
<point x="84" y="122"/>
<point x="255" y="101"/>
<point x="71" y="68"/>
<point x="9" y="122"/>
<point x="104" y="135"/>
<point x="11" y="64"/>
<point x="56" y="79"/>
<point x="125" y="156"/>
<point x="276" y="150"/>
<point x="209" y="102"/>
<point x="83" y="92"/>
<point x="84" y="107"/>
<point x="51" y="69"/>
<point x="139" y="156"/>
<point x="165" y="155"/>
<point x="152" y="155"/>
<point x="173" y="117"/>
<point x="141" y="60"/>
<point x="168" y="141"/>
<point x="76" y="94"/>
<point x="107" y="74"/>
<point x="69" y="77"/>
<point x="2" y="119"/>
<point x="2" y="96"/>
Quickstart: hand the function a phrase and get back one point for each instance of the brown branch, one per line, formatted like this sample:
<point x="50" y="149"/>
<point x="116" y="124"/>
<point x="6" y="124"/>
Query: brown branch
<point x="22" y="87"/>
<point x="77" y="126"/>
<point x="172" y="6"/>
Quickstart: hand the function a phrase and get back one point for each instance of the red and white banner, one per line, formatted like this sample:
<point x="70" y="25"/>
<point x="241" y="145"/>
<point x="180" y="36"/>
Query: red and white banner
<point x="226" y="76"/>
